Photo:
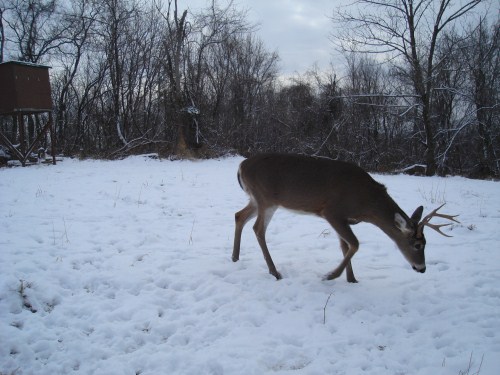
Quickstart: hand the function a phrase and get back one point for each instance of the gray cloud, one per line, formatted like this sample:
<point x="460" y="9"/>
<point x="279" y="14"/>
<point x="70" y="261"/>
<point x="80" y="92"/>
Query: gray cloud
<point x="297" y="29"/>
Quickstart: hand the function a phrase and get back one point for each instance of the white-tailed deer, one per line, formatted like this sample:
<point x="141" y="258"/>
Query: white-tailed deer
<point x="340" y="192"/>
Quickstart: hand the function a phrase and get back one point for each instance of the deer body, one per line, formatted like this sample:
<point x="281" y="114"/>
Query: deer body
<point x="340" y="192"/>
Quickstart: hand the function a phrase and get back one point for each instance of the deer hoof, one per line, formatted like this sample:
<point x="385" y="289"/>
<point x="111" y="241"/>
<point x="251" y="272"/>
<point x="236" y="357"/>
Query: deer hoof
<point x="277" y="275"/>
<point x="331" y="276"/>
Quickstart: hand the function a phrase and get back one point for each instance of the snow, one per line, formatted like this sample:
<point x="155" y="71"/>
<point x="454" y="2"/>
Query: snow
<point x="124" y="267"/>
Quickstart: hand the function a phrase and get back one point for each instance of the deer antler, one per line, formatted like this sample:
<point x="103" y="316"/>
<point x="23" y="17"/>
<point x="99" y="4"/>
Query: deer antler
<point x="436" y="227"/>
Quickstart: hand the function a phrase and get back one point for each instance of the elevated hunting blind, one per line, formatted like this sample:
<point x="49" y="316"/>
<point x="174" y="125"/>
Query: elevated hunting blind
<point x="25" y="91"/>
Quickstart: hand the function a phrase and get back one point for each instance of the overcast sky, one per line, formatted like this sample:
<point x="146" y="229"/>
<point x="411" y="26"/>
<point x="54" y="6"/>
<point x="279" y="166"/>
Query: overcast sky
<point x="299" y="29"/>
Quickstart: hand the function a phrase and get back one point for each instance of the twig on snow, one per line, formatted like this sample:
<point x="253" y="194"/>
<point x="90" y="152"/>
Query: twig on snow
<point x="324" y="308"/>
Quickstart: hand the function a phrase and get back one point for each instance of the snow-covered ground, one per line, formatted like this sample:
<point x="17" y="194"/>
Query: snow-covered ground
<point x="124" y="267"/>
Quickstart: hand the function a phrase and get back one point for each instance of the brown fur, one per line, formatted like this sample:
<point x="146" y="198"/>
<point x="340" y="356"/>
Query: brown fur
<point x="340" y="192"/>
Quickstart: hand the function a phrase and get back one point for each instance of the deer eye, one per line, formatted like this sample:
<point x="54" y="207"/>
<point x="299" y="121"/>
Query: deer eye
<point x="419" y="246"/>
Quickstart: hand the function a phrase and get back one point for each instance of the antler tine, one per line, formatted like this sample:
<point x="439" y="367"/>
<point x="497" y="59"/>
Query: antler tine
<point x="449" y="217"/>
<point x="429" y="216"/>
<point x="436" y="227"/>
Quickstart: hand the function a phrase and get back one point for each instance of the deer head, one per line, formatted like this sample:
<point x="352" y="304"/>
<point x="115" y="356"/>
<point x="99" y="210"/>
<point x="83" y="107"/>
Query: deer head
<point x="412" y="242"/>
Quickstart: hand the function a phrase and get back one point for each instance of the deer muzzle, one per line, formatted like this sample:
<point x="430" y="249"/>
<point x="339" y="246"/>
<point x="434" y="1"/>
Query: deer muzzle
<point x="419" y="268"/>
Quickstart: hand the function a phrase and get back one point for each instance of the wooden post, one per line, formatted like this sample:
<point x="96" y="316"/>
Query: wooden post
<point x="52" y="138"/>
<point x="22" y="137"/>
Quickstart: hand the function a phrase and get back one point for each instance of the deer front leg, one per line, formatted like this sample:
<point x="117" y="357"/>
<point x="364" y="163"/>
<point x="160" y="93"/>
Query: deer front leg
<point x="349" y="272"/>
<point x="349" y="244"/>
<point x="260" y="226"/>
<point x="342" y="266"/>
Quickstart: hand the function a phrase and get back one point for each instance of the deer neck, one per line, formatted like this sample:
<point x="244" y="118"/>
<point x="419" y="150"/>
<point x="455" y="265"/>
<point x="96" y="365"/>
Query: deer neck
<point x="384" y="217"/>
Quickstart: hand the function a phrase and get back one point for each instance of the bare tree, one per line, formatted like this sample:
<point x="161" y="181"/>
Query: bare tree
<point x="482" y="57"/>
<point x="252" y="72"/>
<point x="174" y="45"/>
<point x="114" y="18"/>
<point x="366" y="109"/>
<point x="35" y="28"/>
<point x="198" y="67"/>
<point x="407" y="32"/>
<point x="79" y="19"/>
<point x="2" y="35"/>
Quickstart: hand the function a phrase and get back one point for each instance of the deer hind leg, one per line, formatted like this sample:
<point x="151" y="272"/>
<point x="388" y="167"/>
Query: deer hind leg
<point x="263" y="218"/>
<point x="349" y="272"/>
<point x="241" y="218"/>
<point x="349" y="245"/>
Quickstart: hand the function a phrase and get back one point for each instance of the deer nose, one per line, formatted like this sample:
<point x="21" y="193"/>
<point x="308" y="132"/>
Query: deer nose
<point x="420" y="269"/>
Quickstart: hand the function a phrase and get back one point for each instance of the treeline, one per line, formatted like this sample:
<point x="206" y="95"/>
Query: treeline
<point x="132" y="76"/>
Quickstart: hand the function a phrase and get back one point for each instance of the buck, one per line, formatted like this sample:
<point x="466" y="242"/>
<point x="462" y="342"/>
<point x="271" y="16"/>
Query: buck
<point x="340" y="192"/>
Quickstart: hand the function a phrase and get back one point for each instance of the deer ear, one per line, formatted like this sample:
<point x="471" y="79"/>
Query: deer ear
<point x="417" y="215"/>
<point x="401" y="223"/>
